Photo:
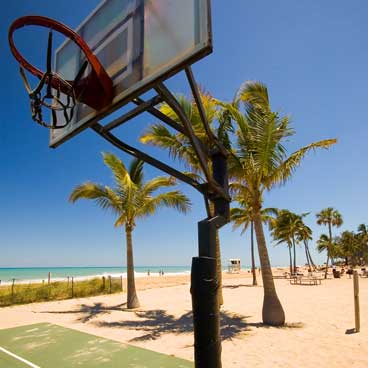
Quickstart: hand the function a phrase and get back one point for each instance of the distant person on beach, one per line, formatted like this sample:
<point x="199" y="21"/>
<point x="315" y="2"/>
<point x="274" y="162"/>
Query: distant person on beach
<point x="148" y="273"/>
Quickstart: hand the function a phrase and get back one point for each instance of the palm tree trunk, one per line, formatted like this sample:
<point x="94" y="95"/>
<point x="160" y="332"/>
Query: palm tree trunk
<point x="132" y="299"/>
<point x="219" y="270"/>
<point x="290" y="261"/>
<point x="218" y="262"/>
<point x="328" y="249"/>
<point x="252" y="254"/>
<point x="294" y="252"/>
<point x="272" y="311"/>
<point x="310" y="258"/>
<point x="307" y="256"/>
<point x="328" y="258"/>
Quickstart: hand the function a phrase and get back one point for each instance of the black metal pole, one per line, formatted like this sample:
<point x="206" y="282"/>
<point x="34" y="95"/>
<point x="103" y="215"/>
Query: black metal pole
<point x="204" y="276"/>
<point x="204" y="287"/>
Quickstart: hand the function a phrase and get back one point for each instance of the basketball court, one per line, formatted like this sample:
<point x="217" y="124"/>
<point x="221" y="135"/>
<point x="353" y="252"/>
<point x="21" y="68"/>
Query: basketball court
<point x="45" y="345"/>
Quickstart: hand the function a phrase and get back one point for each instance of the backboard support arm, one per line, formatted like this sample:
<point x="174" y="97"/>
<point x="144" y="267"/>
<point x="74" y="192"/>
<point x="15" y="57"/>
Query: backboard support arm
<point x="99" y="129"/>
<point x="162" y="90"/>
<point x="197" y="98"/>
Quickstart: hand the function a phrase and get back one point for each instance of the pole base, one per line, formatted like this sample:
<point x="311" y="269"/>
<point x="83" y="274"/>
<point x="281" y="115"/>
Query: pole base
<point x="206" y="316"/>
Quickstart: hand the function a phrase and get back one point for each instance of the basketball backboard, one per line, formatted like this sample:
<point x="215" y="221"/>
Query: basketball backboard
<point x="139" y="43"/>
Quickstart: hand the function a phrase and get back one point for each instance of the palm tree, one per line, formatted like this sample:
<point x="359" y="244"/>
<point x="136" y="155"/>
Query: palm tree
<point x="348" y="243"/>
<point x="363" y="231"/>
<point x="242" y="216"/>
<point x="180" y="147"/>
<point x="330" y="217"/>
<point x="285" y="228"/>
<point x="363" y="241"/>
<point x="131" y="199"/>
<point x="324" y="244"/>
<point x="305" y="234"/>
<point x="281" y="235"/>
<point x="288" y="227"/>
<point x="261" y="162"/>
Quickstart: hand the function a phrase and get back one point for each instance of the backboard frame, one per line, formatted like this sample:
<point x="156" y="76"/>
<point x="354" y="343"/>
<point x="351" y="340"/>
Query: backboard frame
<point x="142" y="86"/>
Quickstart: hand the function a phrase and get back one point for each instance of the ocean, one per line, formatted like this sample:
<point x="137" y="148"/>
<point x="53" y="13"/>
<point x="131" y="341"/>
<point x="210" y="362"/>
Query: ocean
<point x="57" y="273"/>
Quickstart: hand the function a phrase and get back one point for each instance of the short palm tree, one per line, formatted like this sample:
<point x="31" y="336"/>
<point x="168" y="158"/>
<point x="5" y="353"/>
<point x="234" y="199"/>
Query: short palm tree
<point x="363" y="242"/>
<point x="261" y="162"/>
<point x="304" y="235"/>
<point x="348" y="243"/>
<point x="131" y="199"/>
<point x="290" y="228"/>
<point x="324" y="244"/>
<point x="363" y="231"/>
<point x="284" y="230"/>
<point x="180" y="147"/>
<point x="330" y="217"/>
<point x="286" y="227"/>
<point x="242" y="217"/>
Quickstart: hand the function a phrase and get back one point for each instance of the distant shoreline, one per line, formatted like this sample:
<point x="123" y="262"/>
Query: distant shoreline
<point x="26" y="275"/>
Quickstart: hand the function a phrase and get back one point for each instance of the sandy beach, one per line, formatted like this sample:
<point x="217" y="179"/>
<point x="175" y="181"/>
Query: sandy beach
<point x="318" y="319"/>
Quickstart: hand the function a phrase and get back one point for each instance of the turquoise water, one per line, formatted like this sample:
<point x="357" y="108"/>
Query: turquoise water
<point x="40" y="273"/>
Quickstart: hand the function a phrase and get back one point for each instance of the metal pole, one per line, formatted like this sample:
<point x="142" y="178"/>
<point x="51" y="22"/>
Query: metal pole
<point x="356" y="301"/>
<point x="204" y="285"/>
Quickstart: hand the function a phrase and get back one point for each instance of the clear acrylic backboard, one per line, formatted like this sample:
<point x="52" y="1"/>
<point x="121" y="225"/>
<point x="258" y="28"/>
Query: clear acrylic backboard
<point x="139" y="43"/>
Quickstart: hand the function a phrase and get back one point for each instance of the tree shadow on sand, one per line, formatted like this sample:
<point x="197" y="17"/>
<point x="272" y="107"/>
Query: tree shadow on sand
<point x="155" y="323"/>
<point x="158" y="322"/>
<point x="90" y="311"/>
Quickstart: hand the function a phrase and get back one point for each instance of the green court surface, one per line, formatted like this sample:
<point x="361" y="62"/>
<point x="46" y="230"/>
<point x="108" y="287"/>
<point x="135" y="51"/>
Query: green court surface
<point x="45" y="345"/>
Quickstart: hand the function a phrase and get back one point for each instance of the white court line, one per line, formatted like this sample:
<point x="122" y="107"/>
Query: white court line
<point x="19" y="358"/>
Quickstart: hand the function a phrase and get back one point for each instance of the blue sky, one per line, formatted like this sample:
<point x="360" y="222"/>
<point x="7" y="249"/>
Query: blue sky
<point x="311" y="55"/>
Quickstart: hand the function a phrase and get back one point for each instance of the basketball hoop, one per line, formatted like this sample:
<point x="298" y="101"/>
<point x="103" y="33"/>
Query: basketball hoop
<point x="94" y="90"/>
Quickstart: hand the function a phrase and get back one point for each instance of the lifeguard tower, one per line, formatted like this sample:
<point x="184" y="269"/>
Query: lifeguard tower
<point x="234" y="265"/>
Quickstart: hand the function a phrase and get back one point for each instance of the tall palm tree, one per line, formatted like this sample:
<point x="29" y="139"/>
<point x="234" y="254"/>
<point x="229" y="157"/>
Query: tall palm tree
<point x="180" y="147"/>
<point x="131" y="199"/>
<point x="330" y="217"/>
<point x="261" y="162"/>
<point x="242" y="217"/>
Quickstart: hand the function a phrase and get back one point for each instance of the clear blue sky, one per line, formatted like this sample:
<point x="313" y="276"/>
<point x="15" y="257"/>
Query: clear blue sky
<point x="311" y="54"/>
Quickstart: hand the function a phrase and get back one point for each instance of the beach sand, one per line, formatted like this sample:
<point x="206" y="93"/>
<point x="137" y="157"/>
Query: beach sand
<point x="315" y="335"/>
